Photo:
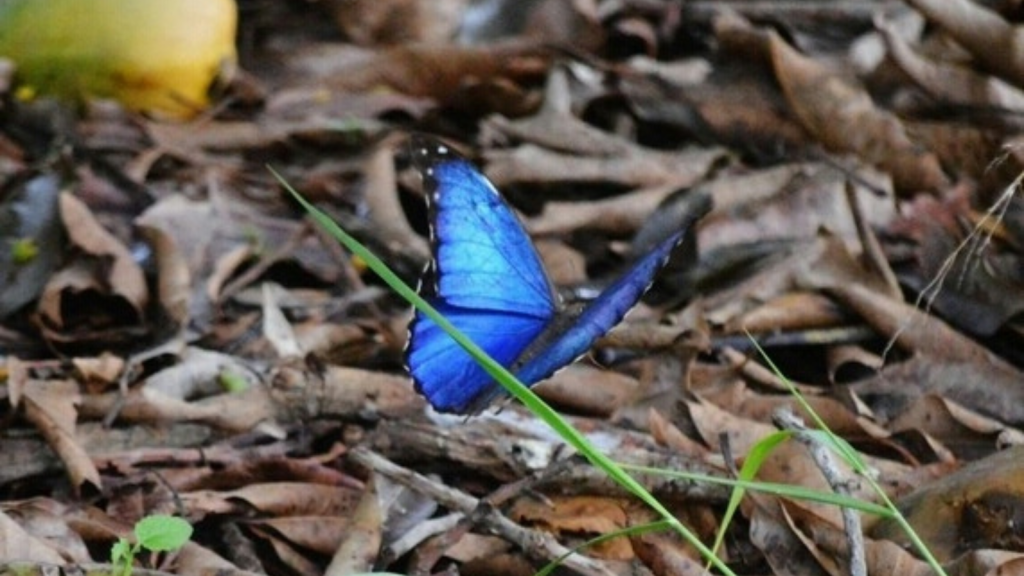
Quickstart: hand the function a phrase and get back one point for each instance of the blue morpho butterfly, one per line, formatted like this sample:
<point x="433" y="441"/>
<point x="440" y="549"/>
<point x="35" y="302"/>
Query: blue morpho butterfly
<point x="486" y="279"/>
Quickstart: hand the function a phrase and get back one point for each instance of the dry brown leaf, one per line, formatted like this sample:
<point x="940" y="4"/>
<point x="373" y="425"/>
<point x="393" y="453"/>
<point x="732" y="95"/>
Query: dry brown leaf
<point x="49" y="520"/>
<point x="576" y="24"/>
<point x="196" y="559"/>
<point x="343" y="391"/>
<point x="98" y="373"/>
<point x="971" y="509"/>
<point x="321" y="534"/>
<point x="55" y="400"/>
<point x="732" y="190"/>
<point x="790" y="463"/>
<point x="969" y="149"/>
<point x="323" y="339"/>
<point x="738" y="364"/>
<point x="195" y="226"/>
<point x="814" y="199"/>
<point x="998" y="562"/>
<point x="995" y="43"/>
<point x="385" y="210"/>
<point x="581" y="515"/>
<point x="473" y="546"/>
<point x="276" y="328"/>
<point x="972" y="282"/>
<point x="276" y="499"/>
<point x="77" y="278"/>
<point x="449" y="74"/>
<point x="739" y="400"/>
<point x="197" y="375"/>
<point x="17" y="379"/>
<point x="776" y="273"/>
<point x="868" y="52"/>
<point x="664" y="554"/>
<point x="828" y="543"/>
<point x="555" y="127"/>
<point x="838" y="273"/>
<point x="956" y="84"/>
<point x="296" y="560"/>
<point x="588" y="390"/>
<point x="173" y="279"/>
<point x="842" y="116"/>
<point x="226" y="266"/>
<point x="531" y="165"/>
<point x="793" y="311"/>
<point x="848" y="359"/>
<point x="619" y="215"/>
<point x="50" y="405"/>
<point x="17" y="544"/>
<point x="711" y="422"/>
<point x="667" y="434"/>
<point x="565" y="266"/>
<point x="991" y="391"/>
<point x="784" y="552"/>
<point x="29" y="212"/>
<point x="966" y="432"/>
<point x="216" y="236"/>
<point x="125" y="278"/>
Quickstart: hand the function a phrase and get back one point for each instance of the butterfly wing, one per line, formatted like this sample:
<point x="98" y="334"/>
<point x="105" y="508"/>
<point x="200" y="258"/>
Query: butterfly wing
<point x="486" y="278"/>
<point x="599" y="316"/>
<point x="445" y="374"/>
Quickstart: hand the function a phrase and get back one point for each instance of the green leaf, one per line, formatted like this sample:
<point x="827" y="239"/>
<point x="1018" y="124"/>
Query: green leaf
<point x="120" y="552"/>
<point x="232" y="382"/>
<point x="160" y="533"/>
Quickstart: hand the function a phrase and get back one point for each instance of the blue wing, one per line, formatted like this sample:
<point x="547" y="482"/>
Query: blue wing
<point x="445" y="374"/>
<point x="597" y="318"/>
<point x="486" y="278"/>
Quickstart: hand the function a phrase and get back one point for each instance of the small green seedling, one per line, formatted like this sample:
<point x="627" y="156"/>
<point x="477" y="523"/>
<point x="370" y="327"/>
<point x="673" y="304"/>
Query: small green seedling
<point x="232" y="381"/>
<point x="24" y="250"/>
<point x="156" y="533"/>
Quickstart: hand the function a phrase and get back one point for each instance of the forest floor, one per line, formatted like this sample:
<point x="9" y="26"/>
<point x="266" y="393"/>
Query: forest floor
<point x="178" y="337"/>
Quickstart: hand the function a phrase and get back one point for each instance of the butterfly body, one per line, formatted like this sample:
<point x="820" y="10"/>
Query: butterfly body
<point x="488" y="281"/>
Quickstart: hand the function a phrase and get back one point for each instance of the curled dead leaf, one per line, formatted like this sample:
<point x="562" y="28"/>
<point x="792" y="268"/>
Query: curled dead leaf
<point x="50" y="405"/>
<point x="173" y="281"/>
<point x="955" y="84"/>
<point x="995" y="43"/>
<point x="842" y="116"/>
<point x="125" y="278"/>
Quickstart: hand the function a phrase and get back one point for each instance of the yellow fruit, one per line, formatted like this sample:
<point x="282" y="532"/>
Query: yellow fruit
<point x="155" y="56"/>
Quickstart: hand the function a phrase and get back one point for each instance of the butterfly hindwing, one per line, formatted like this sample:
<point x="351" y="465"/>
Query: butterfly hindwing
<point x="445" y="374"/>
<point x="600" y="315"/>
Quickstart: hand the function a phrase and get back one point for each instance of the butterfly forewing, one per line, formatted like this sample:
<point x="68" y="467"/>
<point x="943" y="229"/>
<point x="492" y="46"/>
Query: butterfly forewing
<point x="484" y="258"/>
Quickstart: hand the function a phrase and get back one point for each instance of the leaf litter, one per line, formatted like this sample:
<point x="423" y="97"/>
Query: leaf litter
<point x="176" y="338"/>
